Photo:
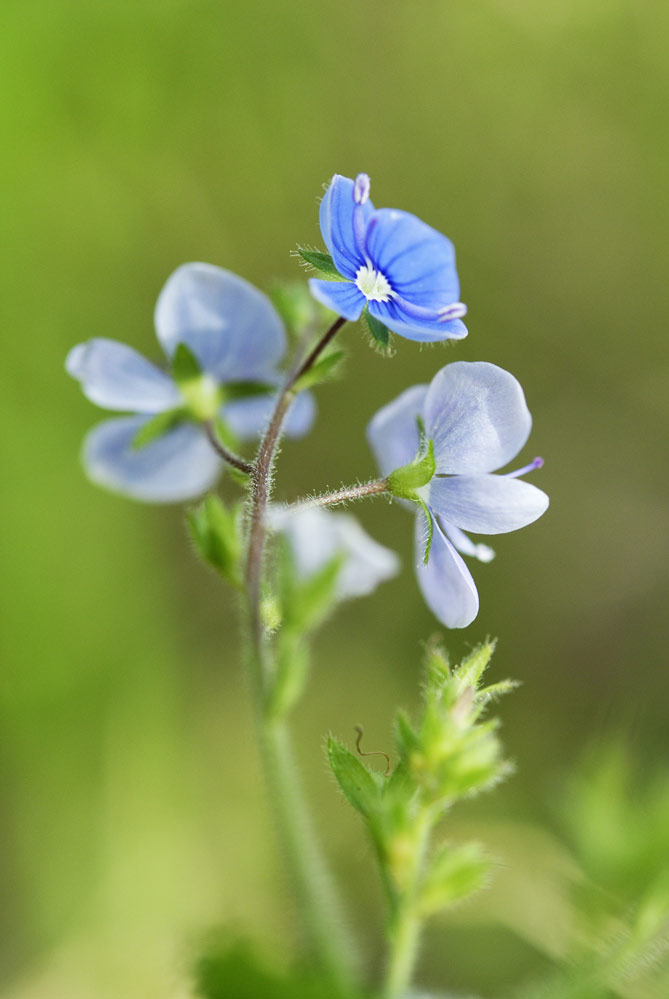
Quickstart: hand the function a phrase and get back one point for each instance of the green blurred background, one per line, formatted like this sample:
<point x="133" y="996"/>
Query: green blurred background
<point x="142" y="134"/>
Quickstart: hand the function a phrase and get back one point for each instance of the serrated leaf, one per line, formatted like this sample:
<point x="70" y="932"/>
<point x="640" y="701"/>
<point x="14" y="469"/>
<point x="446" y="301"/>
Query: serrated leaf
<point x="361" y="788"/>
<point x="323" y="262"/>
<point x="156" y="427"/>
<point x="216" y="534"/>
<point x="453" y="875"/>
<point x="380" y="333"/>
<point x="321" y="371"/>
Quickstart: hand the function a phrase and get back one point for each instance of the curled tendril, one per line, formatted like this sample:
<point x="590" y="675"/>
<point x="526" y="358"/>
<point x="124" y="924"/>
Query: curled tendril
<point x="374" y="752"/>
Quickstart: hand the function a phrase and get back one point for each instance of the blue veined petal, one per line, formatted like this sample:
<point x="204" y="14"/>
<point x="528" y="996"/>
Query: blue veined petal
<point x="336" y="222"/>
<point x="430" y="329"/>
<point x="418" y="261"/>
<point x="445" y="582"/>
<point x="178" y="466"/>
<point x="477" y="416"/>
<point x="392" y="433"/>
<point x="464" y="544"/>
<point x="231" y="327"/>
<point x="316" y="536"/>
<point x="115" y="376"/>
<point x="487" y="504"/>
<point x="248" y="418"/>
<point x="342" y="297"/>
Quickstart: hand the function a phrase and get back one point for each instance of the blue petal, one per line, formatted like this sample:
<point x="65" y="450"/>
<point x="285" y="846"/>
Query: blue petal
<point x="445" y="582"/>
<point x="248" y="418"/>
<point x="342" y="297"/>
<point x="392" y="433"/>
<point x="178" y="466"/>
<point x="231" y="327"/>
<point x="430" y="330"/>
<point x="487" y="504"/>
<point x="317" y="536"/>
<point x="115" y="376"/>
<point x="477" y="416"/>
<point x="418" y="261"/>
<point x="336" y="221"/>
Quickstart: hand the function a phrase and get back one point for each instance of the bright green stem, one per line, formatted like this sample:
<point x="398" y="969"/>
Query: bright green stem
<point x="404" y="933"/>
<point x="405" y="924"/>
<point x="314" y="889"/>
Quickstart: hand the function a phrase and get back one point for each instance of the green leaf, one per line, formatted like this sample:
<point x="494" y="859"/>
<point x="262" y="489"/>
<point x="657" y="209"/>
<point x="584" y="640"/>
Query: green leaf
<point x="472" y="668"/>
<point x="453" y="875"/>
<point x="306" y="602"/>
<point x="404" y="482"/>
<point x="185" y="365"/>
<point x="291" y="673"/>
<point x="323" y="262"/>
<point x="156" y="427"/>
<point x="216" y="534"/>
<point x="323" y="370"/>
<point x="379" y="333"/>
<point x="360" y="787"/>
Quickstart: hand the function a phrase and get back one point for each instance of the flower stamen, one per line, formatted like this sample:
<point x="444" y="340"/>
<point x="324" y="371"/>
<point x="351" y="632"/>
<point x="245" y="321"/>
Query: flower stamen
<point x="533" y="465"/>
<point x="373" y="284"/>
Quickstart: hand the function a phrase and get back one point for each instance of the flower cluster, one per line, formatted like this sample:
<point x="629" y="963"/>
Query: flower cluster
<point x="436" y="446"/>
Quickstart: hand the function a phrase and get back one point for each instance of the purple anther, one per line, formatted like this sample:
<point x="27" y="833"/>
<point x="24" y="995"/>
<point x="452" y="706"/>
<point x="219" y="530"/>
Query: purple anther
<point x="534" y="464"/>
<point x="361" y="189"/>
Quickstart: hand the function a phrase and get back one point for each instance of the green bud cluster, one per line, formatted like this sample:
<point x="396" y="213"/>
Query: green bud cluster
<point x="451" y="751"/>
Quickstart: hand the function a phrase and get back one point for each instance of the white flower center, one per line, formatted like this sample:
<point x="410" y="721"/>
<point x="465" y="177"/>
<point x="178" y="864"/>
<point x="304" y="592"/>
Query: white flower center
<point x="373" y="285"/>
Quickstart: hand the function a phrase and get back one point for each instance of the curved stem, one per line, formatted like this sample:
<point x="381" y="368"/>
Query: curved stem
<point x="345" y="495"/>
<point x="232" y="459"/>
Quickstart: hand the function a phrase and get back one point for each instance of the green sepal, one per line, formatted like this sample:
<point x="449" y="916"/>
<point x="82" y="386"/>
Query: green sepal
<point x="470" y="671"/>
<point x="322" y="371"/>
<point x="379" y="333"/>
<point x="185" y="365"/>
<point x="157" y="426"/>
<point x="404" y="482"/>
<point x="430" y="528"/>
<point x="453" y="874"/>
<point x="245" y="390"/>
<point x="322" y="262"/>
<point x="216" y="533"/>
<point x="360" y="786"/>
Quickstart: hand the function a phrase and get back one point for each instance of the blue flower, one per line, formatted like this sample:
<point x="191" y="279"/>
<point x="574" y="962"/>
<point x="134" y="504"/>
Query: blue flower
<point x="235" y="335"/>
<point x="391" y="262"/>
<point x="477" y="419"/>
<point x="317" y="536"/>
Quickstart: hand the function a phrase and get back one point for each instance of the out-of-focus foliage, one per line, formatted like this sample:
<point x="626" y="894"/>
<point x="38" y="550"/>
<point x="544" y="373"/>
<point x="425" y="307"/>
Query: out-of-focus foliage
<point x="141" y="134"/>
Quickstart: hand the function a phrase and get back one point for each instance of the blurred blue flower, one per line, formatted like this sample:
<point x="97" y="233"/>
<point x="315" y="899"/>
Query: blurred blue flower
<point x="477" y="418"/>
<point x="235" y="335"/>
<point x="391" y="262"/>
<point x="316" y="536"/>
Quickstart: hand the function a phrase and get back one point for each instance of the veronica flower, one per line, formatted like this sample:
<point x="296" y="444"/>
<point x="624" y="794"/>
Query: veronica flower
<point x="398" y="267"/>
<point x="316" y="536"/>
<point x="473" y="420"/>
<point x="236" y="341"/>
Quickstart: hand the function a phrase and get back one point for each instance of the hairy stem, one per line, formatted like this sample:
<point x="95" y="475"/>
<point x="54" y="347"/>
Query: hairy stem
<point x="405" y="924"/>
<point x="312" y="882"/>
<point x="344" y="495"/>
